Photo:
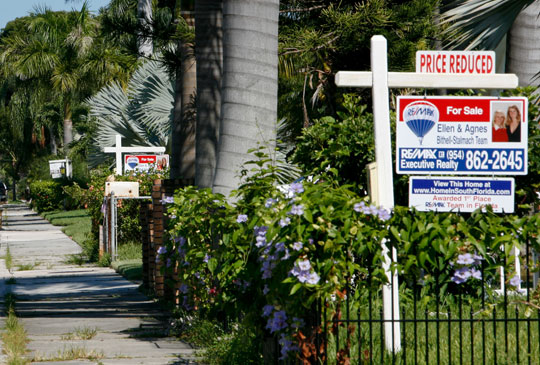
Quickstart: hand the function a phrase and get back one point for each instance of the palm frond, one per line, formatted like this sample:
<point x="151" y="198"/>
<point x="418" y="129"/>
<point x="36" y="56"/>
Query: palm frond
<point x="142" y="114"/>
<point x="479" y="24"/>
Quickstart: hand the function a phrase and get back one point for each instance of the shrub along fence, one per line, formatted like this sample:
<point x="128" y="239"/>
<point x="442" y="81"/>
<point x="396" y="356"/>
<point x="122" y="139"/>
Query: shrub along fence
<point x="303" y="269"/>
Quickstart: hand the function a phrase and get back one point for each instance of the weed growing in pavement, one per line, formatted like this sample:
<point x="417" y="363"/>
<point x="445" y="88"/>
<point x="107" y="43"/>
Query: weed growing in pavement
<point x="26" y="267"/>
<point x="14" y="337"/>
<point x="81" y="333"/>
<point x="71" y="353"/>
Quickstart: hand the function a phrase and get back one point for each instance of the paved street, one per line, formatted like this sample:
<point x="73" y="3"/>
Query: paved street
<point x="58" y="303"/>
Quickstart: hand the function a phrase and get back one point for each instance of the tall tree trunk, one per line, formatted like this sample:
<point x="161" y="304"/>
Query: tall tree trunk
<point x="183" y="133"/>
<point x="523" y="53"/>
<point x="249" y="106"/>
<point x="208" y="53"/>
<point x="144" y="13"/>
<point x="68" y="125"/>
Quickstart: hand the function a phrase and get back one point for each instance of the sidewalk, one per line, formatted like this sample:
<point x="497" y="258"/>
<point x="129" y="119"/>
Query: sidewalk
<point x="58" y="304"/>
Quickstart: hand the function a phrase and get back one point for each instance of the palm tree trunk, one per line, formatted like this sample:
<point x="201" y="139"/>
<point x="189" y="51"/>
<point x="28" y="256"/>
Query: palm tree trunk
<point x="523" y="53"/>
<point x="208" y="53"/>
<point x="183" y="134"/>
<point x="144" y="13"/>
<point x="68" y="125"/>
<point x="249" y="106"/>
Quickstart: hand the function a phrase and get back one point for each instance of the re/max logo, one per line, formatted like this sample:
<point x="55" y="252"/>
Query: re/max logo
<point x="416" y="153"/>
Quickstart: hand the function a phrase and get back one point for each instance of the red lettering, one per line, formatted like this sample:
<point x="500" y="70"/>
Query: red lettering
<point x="452" y="60"/>
<point x="490" y="64"/>
<point x="422" y="62"/>
<point x="429" y="64"/>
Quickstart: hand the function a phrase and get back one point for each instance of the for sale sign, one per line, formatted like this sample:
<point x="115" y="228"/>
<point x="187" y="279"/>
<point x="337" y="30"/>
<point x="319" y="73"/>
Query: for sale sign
<point x="461" y="194"/>
<point x="145" y="162"/>
<point x="455" y="62"/>
<point x="461" y="135"/>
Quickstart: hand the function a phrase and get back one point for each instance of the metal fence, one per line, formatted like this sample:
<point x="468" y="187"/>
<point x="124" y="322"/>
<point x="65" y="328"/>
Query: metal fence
<point x="499" y="324"/>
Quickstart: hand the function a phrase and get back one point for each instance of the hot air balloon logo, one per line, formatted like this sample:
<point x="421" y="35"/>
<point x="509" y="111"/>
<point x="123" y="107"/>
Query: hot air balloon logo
<point x="420" y="117"/>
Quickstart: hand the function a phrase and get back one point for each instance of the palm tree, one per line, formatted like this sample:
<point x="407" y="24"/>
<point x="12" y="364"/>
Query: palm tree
<point x="483" y="24"/>
<point x="208" y="55"/>
<point x="249" y="104"/>
<point x="63" y="51"/>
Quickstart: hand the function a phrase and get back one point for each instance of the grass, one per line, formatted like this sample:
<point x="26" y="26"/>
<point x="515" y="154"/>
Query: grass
<point x="77" y="224"/>
<point x="9" y="259"/>
<point x="71" y="353"/>
<point x="129" y="263"/>
<point x="26" y="267"/>
<point x="14" y="337"/>
<point x="81" y="333"/>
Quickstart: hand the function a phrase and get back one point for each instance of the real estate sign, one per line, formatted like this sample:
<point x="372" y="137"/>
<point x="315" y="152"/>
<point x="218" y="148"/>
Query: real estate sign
<point x="145" y="162"/>
<point x="461" y="194"/>
<point x="459" y="135"/>
<point x="455" y="62"/>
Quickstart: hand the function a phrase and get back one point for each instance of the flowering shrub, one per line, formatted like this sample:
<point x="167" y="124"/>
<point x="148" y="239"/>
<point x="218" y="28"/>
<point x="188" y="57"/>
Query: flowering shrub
<point x="274" y="254"/>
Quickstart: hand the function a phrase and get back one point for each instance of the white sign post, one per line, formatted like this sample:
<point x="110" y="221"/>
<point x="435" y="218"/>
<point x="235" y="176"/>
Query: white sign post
<point x="379" y="79"/>
<point x="118" y="150"/>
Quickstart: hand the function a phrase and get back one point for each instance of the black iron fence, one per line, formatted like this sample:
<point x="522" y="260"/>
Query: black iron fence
<point x="499" y="323"/>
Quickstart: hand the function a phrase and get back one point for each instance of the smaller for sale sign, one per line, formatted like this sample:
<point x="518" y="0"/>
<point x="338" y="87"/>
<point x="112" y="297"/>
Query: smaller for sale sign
<point x="466" y="194"/>
<point x="143" y="163"/>
<point x="461" y="135"/>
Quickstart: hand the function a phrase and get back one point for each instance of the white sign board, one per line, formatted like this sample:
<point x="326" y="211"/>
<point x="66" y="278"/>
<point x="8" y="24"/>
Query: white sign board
<point x="463" y="194"/>
<point x="461" y="135"/>
<point x="60" y="168"/>
<point x="143" y="163"/>
<point x="455" y="62"/>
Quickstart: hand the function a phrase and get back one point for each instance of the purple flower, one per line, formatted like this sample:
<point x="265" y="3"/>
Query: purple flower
<point x="287" y="255"/>
<point x="278" y="322"/>
<point x="180" y="240"/>
<point x="297" y="246"/>
<point x="297" y="209"/>
<point x="242" y="218"/>
<point x="304" y="265"/>
<point x="162" y="250"/>
<point x="207" y="258"/>
<point x="167" y="200"/>
<point x="183" y="289"/>
<point x="169" y="262"/>
<point x="267" y="310"/>
<point x="515" y="281"/>
<point x="269" y="202"/>
<point x="313" y="278"/>
<point x="384" y="214"/>
<point x="461" y="275"/>
<point x="280" y="246"/>
<point x="296" y="188"/>
<point x="465" y="259"/>
<point x="286" y="347"/>
<point x="476" y="274"/>
<point x="266" y="289"/>
<point x="284" y="222"/>
<point x="261" y="241"/>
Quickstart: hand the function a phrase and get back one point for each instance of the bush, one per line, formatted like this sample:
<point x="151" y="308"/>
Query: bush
<point x="46" y="195"/>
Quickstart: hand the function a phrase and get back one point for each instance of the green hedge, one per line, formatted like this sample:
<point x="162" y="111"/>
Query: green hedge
<point x="46" y="195"/>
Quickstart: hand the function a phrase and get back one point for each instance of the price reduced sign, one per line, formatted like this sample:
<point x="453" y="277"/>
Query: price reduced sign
<point x="461" y="135"/>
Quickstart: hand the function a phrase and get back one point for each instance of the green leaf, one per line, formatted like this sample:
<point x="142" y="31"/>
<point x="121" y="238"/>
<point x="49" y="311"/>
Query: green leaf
<point x="295" y="288"/>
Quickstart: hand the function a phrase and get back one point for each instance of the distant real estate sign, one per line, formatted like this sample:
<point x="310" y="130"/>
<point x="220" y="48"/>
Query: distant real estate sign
<point x="455" y="62"/>
<point x="463" y="194"/>
<point x="459" y="135"/>
<point x="145" y="162"/>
